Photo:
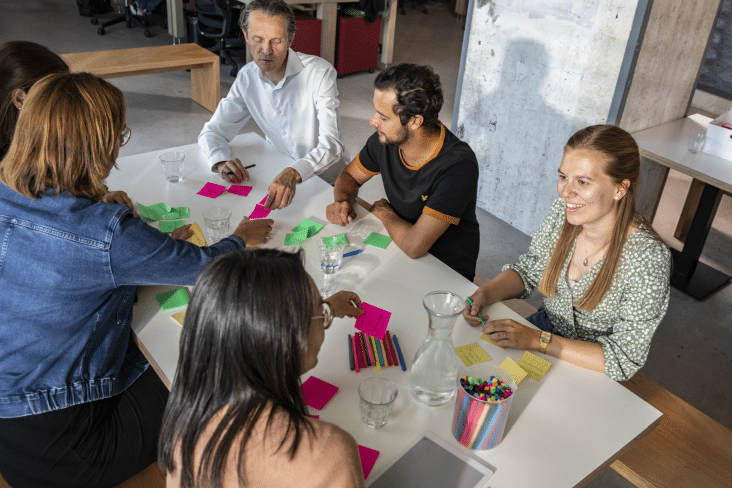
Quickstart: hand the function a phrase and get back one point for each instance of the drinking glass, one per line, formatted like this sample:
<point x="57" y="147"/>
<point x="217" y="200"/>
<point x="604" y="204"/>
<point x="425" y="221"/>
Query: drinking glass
<point x="331" y="255"/>
<point x="217" y="222"/>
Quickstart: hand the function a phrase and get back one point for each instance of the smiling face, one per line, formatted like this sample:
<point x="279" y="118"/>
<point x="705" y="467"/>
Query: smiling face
<point x="269" y="43"/>
<point x="317" y="332"/>
<point x="590" y="196"/>
<point x="386" y="122"/>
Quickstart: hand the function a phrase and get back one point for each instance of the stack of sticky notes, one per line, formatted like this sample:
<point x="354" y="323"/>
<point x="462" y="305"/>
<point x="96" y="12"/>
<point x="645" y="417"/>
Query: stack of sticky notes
<point x="472" y="354"/>
<point x="304" y="230"/>
<point x="173" y="300"/>
<point x="316" y="392"/>
<point x="165" y="213"/>
<point x="377" y="240"/>
<point x="239" y="190"/>
<point x="529" y="365"/>
<point x="211" y="190"/>
<point x="333" y="241"/>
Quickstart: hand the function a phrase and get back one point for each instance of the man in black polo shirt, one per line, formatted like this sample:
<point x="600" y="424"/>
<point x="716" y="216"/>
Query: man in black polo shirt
<point x="430" y="176"/>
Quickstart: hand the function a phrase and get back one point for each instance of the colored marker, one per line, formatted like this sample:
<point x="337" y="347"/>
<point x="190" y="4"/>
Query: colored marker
<point x="352" y="253"/>
<point x="372" y="341"/>
<point x="391" y="349"/>
<point x="378" y="349"/>
<point x="350" y="353"/>
<point x="385" y="350"/>
<point x="365" y="347"/>
<point x="399" y="352"/>
<point x="353" y="352"/>
<point x="370" y="348"/>
<point x="470" y="302"/>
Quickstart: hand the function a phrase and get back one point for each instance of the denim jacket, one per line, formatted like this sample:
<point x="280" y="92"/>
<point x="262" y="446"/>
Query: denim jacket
<point x="69" y="269"/>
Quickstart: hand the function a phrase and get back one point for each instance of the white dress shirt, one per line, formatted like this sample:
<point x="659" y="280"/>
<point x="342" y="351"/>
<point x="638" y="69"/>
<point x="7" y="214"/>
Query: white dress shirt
<point x="298" y="115"/>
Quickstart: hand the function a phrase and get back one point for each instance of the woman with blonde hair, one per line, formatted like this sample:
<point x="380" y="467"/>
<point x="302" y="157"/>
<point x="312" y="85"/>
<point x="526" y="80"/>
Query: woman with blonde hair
<point x="602" y="268"/>
<point x="79" y="405"/>
<point x="236" y="415"/>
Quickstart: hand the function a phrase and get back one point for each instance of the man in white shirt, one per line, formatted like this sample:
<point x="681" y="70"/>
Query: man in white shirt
<point x="292" y="96"/>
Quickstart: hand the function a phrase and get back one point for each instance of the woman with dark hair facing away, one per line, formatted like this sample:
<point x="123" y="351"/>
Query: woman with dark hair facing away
<point x="22" y="63"/>
<point x="602" y="269"/>
<point x="79" y="405"/>
<point x="236" y="415"/>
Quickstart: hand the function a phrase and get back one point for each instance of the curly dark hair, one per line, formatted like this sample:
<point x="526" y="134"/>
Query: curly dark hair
<point x="418" y="92"/>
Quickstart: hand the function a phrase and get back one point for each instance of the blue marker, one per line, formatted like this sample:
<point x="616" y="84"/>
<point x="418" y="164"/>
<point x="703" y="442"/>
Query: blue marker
<point x="352" y="253"/>
<point x="399" y="352"/>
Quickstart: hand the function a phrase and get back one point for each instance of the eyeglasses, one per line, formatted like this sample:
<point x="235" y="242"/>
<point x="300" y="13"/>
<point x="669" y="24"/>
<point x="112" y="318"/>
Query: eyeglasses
<point x="125" y="136"/>
<point x="327" y="315"/>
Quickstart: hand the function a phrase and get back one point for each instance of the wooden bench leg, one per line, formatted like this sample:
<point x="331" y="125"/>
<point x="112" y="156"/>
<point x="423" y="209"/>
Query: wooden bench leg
<point x="206" y="85"/>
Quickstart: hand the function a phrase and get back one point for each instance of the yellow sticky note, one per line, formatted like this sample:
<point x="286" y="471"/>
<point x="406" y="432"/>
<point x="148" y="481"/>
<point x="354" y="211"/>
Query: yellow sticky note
<point x="511" y="367"/>
<point x="472" y="354"/>
<point x="179" y="317"/>
<point x="489" y="341"/>
<point x="534" y="366"/>
<point x="197" y="238"/>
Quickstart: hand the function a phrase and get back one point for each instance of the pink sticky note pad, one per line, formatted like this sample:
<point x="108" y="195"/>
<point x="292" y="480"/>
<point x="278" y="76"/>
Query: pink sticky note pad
<point x="239" y="190"/>
<point x="317" y="392"/>
<point x="374" y="321"/>
<point x="211" y="190"/>
<point x="264" y="200"/>
<point x="315" y="416"/>
<point x="368" y="459"/>
<point x="259" y="212"/>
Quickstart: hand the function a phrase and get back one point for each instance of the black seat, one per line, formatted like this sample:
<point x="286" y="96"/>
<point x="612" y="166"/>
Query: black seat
<point x="219" y="20"/>
<point x="128" y="18"/>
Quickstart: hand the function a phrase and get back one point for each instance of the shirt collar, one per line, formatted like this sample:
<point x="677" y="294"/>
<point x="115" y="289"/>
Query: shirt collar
<point x="294" y="66"/>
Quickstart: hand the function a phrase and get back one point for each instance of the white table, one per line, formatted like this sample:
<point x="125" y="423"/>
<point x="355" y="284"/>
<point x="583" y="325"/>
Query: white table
<point x="667" y="145"/>
<point x="561" y="432"/>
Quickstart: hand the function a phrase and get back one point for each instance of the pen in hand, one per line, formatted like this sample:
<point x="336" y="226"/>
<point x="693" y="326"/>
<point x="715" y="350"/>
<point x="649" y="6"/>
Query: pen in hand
<point x="470" y="302"/>
<point x="245" y="167"/>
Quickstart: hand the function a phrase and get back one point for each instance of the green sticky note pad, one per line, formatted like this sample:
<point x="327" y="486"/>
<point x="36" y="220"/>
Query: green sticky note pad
<point x="169" y="226"/>
<point x="150" y="214"/>
<point x="377" y="240"/>
<point x="332" y="241"/>
<point x="296" y="237"/>
<point x="177" y="213"/>
<point x="310" y="226"/>
<point x="170" y="300"/>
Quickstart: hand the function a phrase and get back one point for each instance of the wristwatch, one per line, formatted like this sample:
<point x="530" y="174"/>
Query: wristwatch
<point x="544" y="341"/>
<point x="327" y="315"/>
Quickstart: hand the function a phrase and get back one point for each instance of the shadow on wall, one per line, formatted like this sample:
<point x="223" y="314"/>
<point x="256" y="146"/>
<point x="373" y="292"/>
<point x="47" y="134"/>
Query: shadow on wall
<point x="518" y="138"/>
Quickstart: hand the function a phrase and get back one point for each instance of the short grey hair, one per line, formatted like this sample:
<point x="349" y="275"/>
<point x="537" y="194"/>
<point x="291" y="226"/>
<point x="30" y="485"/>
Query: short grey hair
<point x="268" y="7"/>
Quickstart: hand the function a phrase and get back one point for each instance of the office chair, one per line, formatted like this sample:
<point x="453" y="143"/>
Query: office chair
<point x="219" y="20"/>
<point x="128" y="17"/>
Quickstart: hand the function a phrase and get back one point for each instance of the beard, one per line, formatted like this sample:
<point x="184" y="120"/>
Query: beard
<point x="403" y="136"/>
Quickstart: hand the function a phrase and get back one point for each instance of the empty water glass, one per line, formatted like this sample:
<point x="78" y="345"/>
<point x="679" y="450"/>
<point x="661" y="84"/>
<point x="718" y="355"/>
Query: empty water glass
<point x="377" y="397"/>
<point x="217" y="222"/>
<point x="331" y="254"/>
<point x="173" y="166"/>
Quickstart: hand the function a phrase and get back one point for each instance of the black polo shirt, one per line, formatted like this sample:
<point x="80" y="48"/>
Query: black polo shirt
<point x="444" y="187"/>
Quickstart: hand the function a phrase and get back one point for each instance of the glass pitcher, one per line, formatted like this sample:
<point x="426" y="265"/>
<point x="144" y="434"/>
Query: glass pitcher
<point x="434" y="368"/>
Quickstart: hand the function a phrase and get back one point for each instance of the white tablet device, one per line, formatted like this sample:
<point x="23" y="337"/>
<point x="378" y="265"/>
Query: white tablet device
<point x="432" y="462"/>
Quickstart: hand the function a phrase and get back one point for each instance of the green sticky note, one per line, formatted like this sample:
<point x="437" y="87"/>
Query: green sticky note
<point x="148" y="213"/>
<point x="309" y="225"/>
<point x="377" y="240"/>
<point x="296" y="237"/>
<point x="177" y="213"/>
<point x="170" y="300"/>
<point x="331" y="242"/>
<point x="169" y="226"/>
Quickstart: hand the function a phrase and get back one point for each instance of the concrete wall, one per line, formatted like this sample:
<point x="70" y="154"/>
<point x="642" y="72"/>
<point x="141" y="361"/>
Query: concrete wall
<point x="534" y="73"/>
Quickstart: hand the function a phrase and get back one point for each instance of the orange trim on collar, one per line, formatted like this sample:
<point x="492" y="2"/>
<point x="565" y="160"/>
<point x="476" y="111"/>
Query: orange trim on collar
<point x="432" y="156"/>
<point x="440" y="216"/>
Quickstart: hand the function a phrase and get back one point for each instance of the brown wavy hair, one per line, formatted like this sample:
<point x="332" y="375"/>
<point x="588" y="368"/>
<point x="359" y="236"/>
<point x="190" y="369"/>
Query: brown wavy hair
<point x="622" y="162"/>
<point x="65" y="137"/>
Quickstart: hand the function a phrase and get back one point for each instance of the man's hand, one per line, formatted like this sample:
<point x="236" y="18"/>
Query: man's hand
<point x="382" y="210"/>
<point x="119" y="197"/>
<point x="254" y="232"/>
<point x="232" y="171"/>
<point x="341" y="213"/>
<point x="282" y="189"/>
<point x="182" y="233"/>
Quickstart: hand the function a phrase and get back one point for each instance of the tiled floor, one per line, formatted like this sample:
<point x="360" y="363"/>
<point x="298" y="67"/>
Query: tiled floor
<point x="691" y="353"/>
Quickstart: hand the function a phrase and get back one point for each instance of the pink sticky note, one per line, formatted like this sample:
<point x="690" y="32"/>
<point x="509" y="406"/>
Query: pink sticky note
<point x="239" y="190"/>
<point x="374" y="321"/>
<point x="368" y="459"/>
<point x="211" y="190"/>
<point x="315" y="416"/>
<point x="317" y="392"/>
<point x="264" y="200"/>
<point x="259" y="212"/>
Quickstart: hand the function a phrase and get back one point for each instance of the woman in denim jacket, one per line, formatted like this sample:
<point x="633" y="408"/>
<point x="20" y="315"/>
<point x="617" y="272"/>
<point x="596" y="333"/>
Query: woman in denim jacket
<point x="78" y="404"/>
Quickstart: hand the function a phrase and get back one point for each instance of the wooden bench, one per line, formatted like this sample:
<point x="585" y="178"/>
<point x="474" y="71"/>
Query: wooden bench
<point x="686" y="449"/>
<point x="204" y="66"/>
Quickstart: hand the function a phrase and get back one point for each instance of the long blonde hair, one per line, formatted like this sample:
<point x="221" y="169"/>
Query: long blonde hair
<point x="65" y="137"/>
<point x="622" y="162"/>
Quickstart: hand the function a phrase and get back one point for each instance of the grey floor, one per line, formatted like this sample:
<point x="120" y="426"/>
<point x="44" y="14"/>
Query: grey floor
<point x="691" y="354"/>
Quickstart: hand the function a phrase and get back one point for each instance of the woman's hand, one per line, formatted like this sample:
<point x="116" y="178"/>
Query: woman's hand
<point x="121" y="198"/>
<point x="509" y="333"/>
<point x="345" y="304"/>
<point x="182" y="233"/>
<point x="471" y="311"/>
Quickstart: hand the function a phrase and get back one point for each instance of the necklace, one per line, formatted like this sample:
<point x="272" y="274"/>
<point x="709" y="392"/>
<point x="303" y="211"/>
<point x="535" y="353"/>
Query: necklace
<point x="588" y="256"/>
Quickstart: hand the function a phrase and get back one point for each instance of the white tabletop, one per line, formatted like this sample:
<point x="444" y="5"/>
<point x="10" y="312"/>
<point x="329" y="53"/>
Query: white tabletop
<point x="560" y="432"/>
<point x="667" y="144"/>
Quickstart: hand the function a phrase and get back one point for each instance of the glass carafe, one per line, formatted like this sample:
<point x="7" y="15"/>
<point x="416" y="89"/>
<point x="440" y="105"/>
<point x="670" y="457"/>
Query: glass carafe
<point x="434" y="368"/>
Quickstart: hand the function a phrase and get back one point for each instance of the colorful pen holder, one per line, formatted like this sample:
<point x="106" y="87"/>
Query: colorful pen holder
<point x="479" y="424"/>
